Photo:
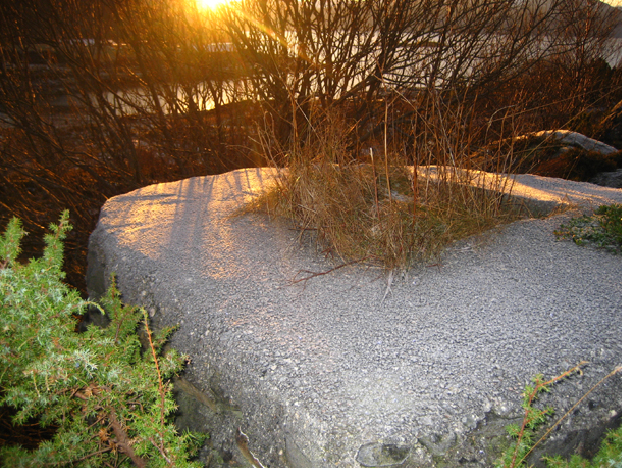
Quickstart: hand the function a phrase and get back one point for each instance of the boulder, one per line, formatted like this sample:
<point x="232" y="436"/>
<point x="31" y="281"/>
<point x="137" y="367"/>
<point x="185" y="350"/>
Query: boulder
<point x="608" y="179"/>
<point x="552" y="153"/>
<point x="610" y="128"/>
<point x="331" y="366"/>
<point x="574" y="140"/>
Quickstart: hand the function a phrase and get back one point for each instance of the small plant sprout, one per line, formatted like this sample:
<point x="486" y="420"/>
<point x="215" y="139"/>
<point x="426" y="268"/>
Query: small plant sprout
<point x="602" y="230"/>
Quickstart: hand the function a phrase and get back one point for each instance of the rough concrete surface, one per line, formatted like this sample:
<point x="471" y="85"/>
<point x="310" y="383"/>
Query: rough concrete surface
<point x="358" y="367"/>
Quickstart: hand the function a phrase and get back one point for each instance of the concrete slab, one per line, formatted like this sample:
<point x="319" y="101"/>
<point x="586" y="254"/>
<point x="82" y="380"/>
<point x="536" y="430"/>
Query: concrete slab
<point x="357" y="367"/>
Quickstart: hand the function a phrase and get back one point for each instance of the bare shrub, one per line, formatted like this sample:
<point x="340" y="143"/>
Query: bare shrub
<point x="100" y="97"/>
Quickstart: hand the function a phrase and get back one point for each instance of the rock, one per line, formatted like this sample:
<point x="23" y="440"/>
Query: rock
<point x="610" y="127"/>
<point x="574" y="140"/>
<point x="554" y="153"/>
<point x="573" y="164"/>
<point x="608" y="179"/>
<point x="320" y="372"/>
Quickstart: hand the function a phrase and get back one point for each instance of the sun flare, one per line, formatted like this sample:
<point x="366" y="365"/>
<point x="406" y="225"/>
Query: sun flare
<point x="210" y="4"/>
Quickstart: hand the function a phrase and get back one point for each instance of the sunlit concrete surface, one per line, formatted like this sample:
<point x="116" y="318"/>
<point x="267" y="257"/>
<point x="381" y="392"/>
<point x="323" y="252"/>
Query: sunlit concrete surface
<point x="331" y="371"/>
<point x="535" y="191"/>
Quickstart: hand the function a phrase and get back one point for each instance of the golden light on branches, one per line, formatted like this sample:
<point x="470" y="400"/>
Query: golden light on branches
<point x="211" y="4"/>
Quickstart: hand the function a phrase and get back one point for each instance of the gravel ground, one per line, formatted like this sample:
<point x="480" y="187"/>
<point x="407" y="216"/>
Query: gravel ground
<point x="328" y="372"/>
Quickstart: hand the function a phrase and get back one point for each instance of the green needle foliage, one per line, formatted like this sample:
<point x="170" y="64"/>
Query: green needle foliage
<point x="533" y="420"/>
<point x="603" y="230"/>
<point x="110" y="400"/>
<point x="609" y="455"/>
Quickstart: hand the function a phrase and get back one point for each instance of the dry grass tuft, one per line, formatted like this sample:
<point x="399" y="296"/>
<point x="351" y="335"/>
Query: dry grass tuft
<point x="356" y="214"/>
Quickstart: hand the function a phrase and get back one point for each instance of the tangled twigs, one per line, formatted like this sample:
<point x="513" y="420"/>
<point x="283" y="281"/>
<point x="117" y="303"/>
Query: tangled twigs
<point x="314" y="274"/>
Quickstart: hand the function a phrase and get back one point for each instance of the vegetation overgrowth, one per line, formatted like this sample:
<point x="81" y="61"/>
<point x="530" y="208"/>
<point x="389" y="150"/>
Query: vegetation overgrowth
<point x="380" y="210"/>
<point x="107" y="395"/>
<point x="108" y="399"/>
<point x="609" y="454"/>
<point x="603" y="229"/>
<point x="101" y="97"/>
<point x="533" y="419"/>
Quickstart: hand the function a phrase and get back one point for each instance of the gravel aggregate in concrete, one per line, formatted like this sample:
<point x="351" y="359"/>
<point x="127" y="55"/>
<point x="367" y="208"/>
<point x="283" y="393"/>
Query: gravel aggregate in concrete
<point x="319" y="370"/>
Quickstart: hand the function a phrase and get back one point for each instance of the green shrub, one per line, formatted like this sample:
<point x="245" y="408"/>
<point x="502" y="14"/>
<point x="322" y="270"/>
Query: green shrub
<point x="533" y="419"/>
<point x="609" y="455"/>
<point x="603" y="230"/>
<point x="110" y="400"/>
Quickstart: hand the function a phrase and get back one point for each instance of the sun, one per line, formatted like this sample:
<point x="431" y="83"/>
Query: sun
<point x="210" y="4"/>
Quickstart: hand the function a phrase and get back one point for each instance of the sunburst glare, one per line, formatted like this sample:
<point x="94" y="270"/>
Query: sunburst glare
<point x="210" y="4"/>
